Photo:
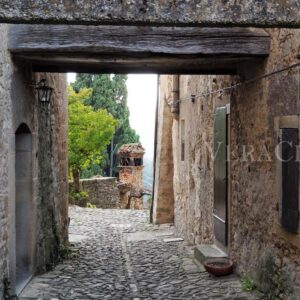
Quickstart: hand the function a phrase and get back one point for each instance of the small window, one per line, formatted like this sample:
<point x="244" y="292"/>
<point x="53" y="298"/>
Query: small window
<point x="182" y="139"/>
<point x="289" y="180"/>
<point x="138" y="161"/>
<point x="125" y="161"/>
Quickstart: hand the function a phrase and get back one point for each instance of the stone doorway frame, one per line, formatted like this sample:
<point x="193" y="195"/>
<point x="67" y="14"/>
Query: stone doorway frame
<point x="125" y="49"/>
<point x="130" y="49"/>
<point x="23" y="227"/>
<point x="175" y="57"/>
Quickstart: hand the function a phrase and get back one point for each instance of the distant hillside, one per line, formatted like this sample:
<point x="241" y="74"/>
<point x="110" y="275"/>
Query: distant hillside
<point x="148" y="173"/>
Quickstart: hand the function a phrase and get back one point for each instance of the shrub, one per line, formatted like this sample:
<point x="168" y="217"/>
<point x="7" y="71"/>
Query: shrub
<point x="78" y="198"/>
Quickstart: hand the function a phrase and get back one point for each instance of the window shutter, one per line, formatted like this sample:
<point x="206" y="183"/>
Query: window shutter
<point x="289" y="180"/>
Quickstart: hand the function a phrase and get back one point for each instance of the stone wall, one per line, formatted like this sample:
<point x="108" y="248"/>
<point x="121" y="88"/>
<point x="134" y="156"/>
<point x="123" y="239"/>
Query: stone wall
<point x="18" y="105"/>
<point x="52" y="203"/>
<point x="124" y="189"/>
<point x="163" y="200"/>
<point x="251" y="12"/>
<point x="5" y="128"/>
<point x="133" y="176"/>
<point x="193" y="174"/>
<point x="257" y="244"/>
<point x="102" y="192"/>
<point x="259" y="248"/>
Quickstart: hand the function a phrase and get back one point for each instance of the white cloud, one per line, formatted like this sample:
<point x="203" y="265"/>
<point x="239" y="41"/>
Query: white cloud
<point x="142" y="93"/>
<point x="71" y="77"/>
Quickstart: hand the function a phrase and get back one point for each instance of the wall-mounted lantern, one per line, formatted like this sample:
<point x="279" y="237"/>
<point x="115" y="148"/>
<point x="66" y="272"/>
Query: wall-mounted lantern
<point x="44" y="92"/>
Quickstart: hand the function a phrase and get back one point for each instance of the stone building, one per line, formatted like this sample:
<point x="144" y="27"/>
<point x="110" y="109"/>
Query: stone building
<point x="33" y="167"/>
<point x="131" y="173"/>
<point x="125" y="37"/>
<point x="221" y="138"/>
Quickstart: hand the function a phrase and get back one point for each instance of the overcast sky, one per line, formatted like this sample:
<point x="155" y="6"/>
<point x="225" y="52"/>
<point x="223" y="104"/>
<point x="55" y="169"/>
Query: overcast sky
<point x="141" y="103"/>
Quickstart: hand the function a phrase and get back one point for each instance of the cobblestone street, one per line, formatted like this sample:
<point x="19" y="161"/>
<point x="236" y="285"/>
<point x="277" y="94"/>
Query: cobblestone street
<point x="117" y="254"/>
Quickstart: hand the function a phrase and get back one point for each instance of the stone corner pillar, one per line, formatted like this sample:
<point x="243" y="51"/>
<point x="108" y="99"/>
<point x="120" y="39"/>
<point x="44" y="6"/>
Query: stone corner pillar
<point x="163" y="198"/>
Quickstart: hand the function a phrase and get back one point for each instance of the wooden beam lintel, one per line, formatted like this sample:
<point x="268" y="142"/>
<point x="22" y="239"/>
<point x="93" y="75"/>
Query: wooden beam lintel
<point x="160" y="65"/>
<point x="138" y="40"/>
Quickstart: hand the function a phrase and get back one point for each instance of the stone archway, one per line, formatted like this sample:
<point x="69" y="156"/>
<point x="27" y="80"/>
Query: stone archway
<point x="125" y="49"/>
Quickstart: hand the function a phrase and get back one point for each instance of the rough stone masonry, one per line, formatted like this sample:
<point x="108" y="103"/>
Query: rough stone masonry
<point x="252" y="185"/>
<point x="5" y="108"/>
<point x="117" y="254"/>
<point x="156" y="12"/>
<point x="47" y="126"/>
<point x="258" y="244"/>
<point x="103" y="192"/>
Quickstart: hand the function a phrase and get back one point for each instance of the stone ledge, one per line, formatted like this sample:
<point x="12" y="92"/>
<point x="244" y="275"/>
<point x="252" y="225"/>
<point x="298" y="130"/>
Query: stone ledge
<point x="204" y="252"/>
<point x="103" y="192"/>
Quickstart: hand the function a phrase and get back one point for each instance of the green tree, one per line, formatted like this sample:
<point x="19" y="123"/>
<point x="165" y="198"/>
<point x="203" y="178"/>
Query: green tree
<point x="89" y="133"/>
<point x="110" y="93"/>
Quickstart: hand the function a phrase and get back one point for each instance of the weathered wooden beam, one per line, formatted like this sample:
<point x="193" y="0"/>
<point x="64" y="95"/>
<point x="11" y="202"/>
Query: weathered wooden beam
<point x="112" y="64"/>
<point x="264" y="13"/>
<point x="64" y="48"/>
<point x="138" y="40"/>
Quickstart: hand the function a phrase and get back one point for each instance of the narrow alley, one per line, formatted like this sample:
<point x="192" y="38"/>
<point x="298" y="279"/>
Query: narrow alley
<point x="117" y="254"/>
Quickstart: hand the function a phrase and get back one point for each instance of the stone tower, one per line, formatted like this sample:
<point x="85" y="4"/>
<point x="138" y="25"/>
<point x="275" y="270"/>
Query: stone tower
<point x="131" y="173"/>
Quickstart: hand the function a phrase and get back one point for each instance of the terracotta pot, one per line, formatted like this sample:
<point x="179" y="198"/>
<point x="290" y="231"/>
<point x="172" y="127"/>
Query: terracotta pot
<point x="219" y="266"/>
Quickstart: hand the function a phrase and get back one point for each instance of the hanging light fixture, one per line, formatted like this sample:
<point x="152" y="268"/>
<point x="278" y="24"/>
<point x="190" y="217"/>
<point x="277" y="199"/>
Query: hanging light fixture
<point x="44" y="92"/>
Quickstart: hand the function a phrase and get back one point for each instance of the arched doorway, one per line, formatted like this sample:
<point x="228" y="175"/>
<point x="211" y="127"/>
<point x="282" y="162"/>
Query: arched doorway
<point x="23" y="207"/>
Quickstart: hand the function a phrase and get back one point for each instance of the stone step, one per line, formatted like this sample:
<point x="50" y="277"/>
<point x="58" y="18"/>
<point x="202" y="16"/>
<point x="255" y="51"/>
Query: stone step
<point x="203" y="252"/>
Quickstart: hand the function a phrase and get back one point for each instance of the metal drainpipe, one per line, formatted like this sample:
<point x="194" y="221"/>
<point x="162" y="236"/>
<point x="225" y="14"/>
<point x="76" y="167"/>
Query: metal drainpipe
<point x="155" y="147"/>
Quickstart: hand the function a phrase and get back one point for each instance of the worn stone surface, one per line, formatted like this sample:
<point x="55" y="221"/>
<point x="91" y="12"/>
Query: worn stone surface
<point x="124" y="189"/>
<point x="193" y="169"/>
<point x="254" y="185"/>
<point x="124" y="257"/>
<point x="163" y="199"/>
<point x="59" y="118"/>
<point x="5" y="125"/>
<point x="102" y="192"/>
<point x="51" y="206"/>
<point x="256" y="246"/>
<point x="133" y="175"/>
<point x="260" y="13"/>
<point x="204" y="252"/>
<point x="18" y="105"/>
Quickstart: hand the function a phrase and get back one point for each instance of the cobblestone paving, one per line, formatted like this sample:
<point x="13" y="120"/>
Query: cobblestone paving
<point x="117" y="254"/>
